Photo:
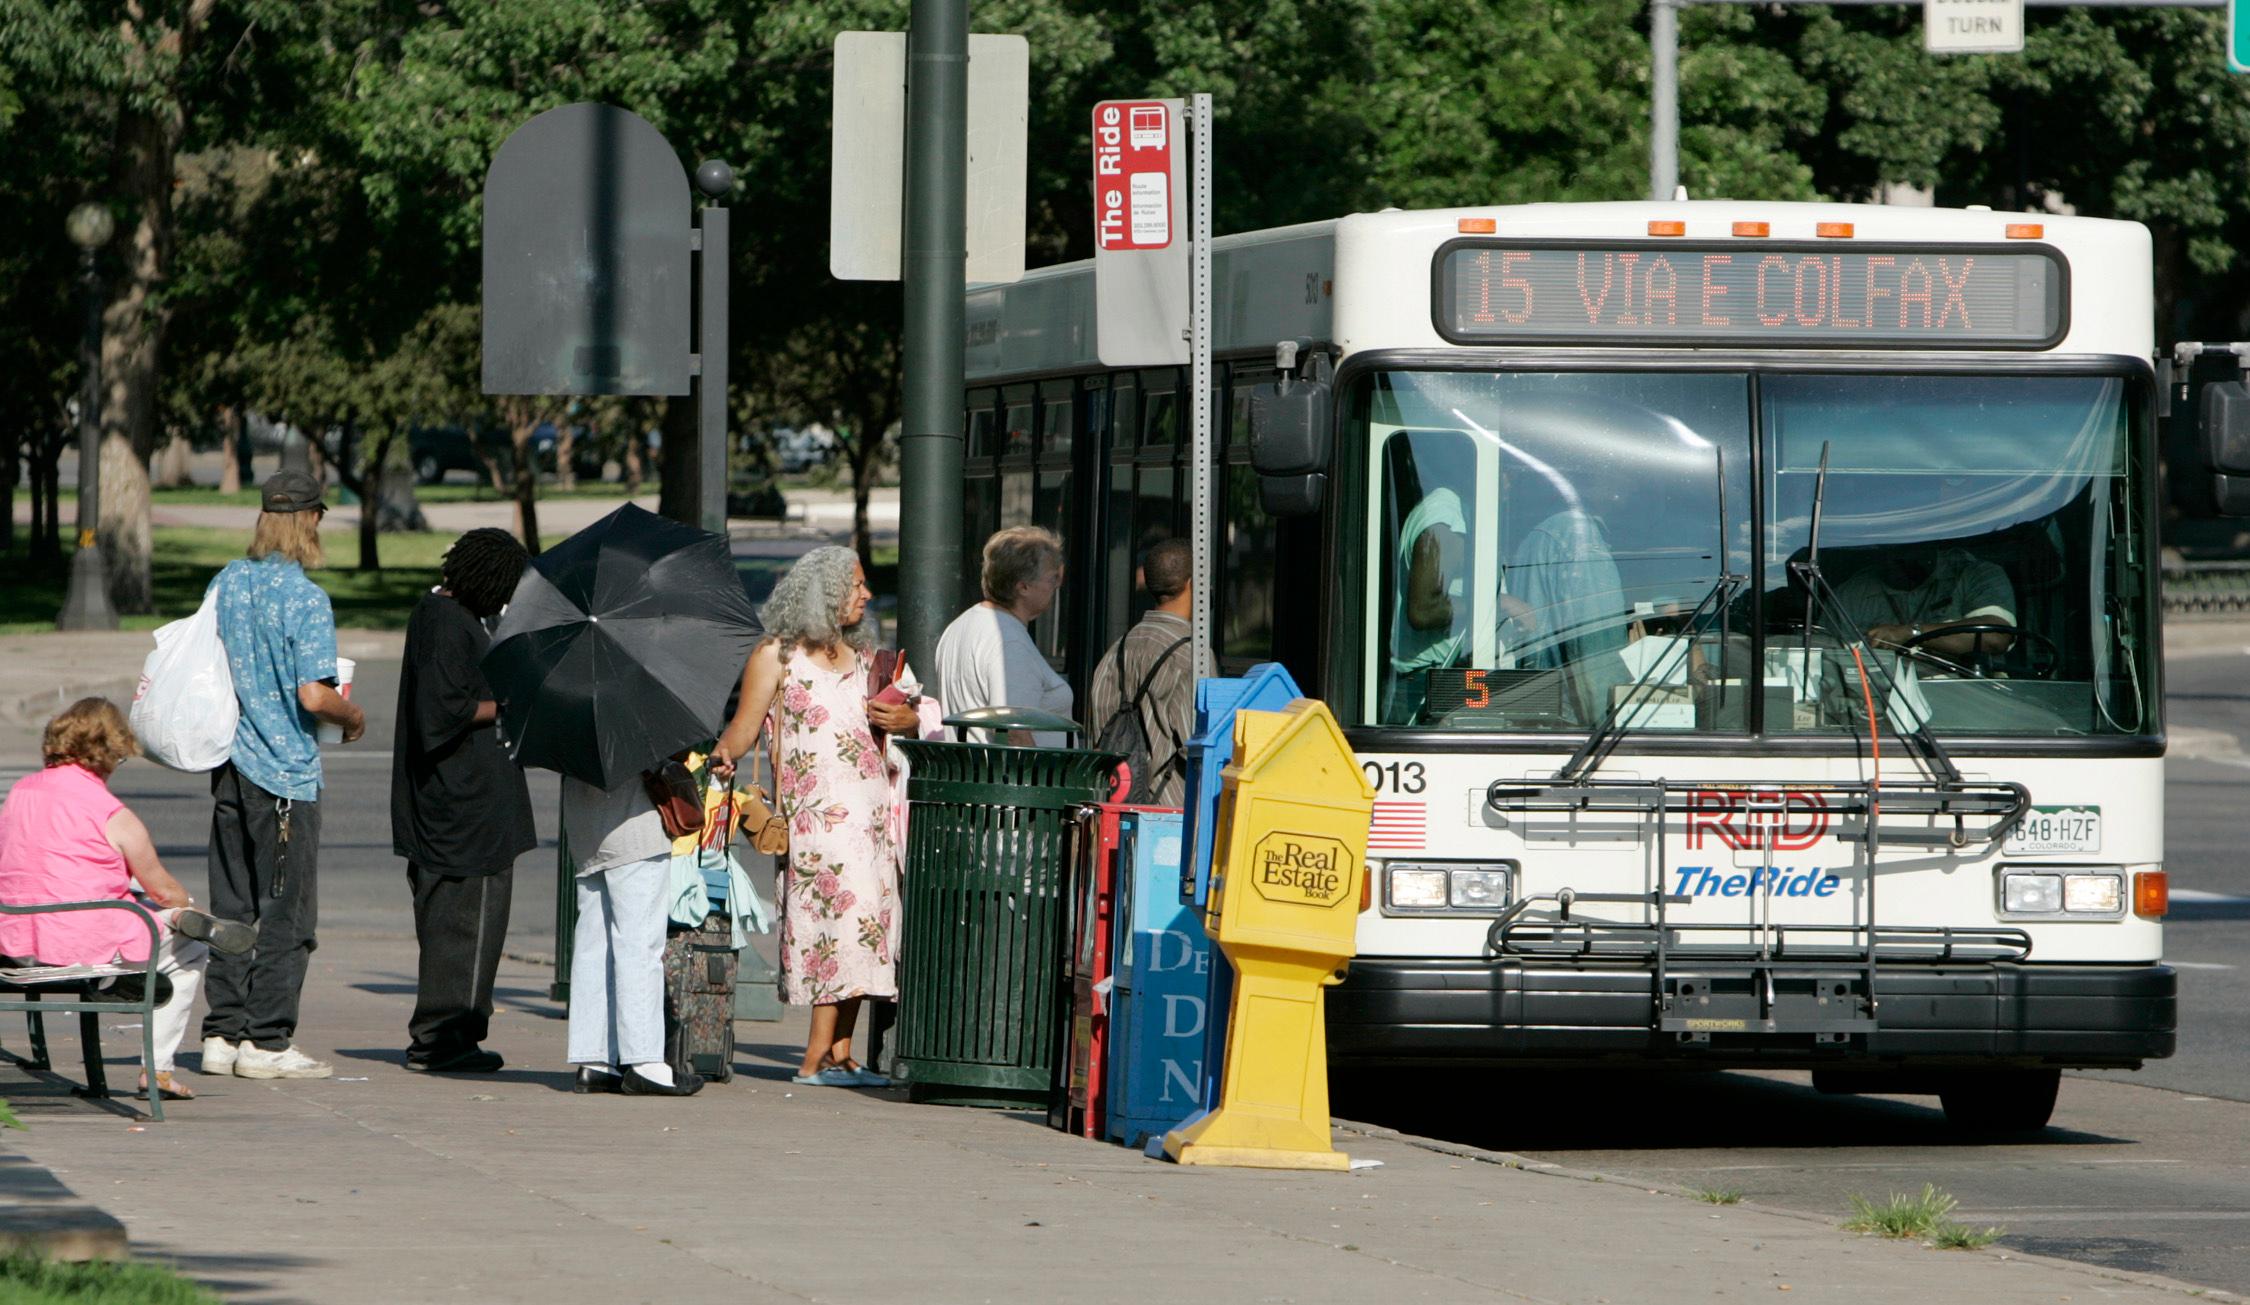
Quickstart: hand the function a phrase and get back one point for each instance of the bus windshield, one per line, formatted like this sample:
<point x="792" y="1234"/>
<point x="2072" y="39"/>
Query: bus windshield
<point x="1541" y="539"/>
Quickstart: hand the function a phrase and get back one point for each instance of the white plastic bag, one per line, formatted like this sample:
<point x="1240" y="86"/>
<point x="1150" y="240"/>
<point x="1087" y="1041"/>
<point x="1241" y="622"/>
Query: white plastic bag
<point x="184" y="710"/>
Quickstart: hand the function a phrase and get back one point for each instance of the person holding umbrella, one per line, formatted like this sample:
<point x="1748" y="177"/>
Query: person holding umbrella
<point x="617" y="651"/>
<point x="839" y="931"/>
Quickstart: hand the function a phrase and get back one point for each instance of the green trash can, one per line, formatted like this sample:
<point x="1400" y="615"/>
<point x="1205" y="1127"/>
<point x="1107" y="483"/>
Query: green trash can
<point x="989" y="844"/>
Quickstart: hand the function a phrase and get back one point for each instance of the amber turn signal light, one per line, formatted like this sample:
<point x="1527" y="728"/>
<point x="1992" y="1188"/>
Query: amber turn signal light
<point x="1366" y="891"/>
<point x="1476" y="226"/>
<point x="2152" y="893"/>
<point x="1833" y="230"/>
<point x="1667" y="228"/>
<point x="1753" y="229"/>
<point x="2026" y="231"/>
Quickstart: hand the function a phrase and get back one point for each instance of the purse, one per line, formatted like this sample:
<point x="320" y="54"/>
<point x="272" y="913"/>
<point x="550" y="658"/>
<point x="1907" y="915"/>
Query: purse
<point x="767" y="831"/>
<point x="678" y="801"/>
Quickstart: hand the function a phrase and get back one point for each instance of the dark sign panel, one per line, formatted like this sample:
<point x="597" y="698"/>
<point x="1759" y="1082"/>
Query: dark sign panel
<point x="586" y="226"/>
<point x="1493" y="292"/>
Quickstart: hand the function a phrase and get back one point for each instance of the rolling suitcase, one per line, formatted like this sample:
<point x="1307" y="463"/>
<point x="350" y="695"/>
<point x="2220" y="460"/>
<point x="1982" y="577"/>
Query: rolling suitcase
<point x="700" y="966"/>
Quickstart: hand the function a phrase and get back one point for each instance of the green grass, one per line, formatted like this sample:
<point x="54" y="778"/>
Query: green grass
<point x="28" y="1281"/>
<point x="184" y="558"/>
<point x="1717" y="1195"/>
<point x="1920" y="1218"/>
<point x="1961" y="1237"/>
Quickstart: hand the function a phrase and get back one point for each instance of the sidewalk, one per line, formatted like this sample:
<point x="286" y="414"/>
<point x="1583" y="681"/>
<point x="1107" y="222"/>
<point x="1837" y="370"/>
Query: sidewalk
<point x="382" y="1186"/>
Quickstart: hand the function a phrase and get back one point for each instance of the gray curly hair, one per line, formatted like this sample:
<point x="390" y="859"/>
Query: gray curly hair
<point x="802" y="610"/>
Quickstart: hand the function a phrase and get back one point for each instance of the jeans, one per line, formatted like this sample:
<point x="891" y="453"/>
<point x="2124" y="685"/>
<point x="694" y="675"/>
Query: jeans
<point x="262" y="872"/>
<point x="617" y="965"/>
<point x="182" y="960"/>
<point x="461" y="922"/>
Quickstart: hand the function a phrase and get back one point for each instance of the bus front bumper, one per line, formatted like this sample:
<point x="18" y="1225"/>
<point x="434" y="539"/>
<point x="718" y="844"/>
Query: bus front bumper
<point x="1465" y="1011"/>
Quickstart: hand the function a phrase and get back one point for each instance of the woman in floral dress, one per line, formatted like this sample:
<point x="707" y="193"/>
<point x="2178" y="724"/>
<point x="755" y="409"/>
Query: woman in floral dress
<point x="840" y="918"/>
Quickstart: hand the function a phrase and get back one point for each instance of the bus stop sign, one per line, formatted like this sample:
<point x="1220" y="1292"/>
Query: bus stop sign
<point x="586" y="275"/>
<point x="2238" y="35"/>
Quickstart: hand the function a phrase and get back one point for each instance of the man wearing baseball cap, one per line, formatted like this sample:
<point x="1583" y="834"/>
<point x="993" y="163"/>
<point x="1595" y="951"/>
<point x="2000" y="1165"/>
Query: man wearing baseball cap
<point x="280" y="635"/>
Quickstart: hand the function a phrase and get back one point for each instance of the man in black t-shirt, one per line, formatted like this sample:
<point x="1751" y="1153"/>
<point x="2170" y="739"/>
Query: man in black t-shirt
<point x="460" y="809"/>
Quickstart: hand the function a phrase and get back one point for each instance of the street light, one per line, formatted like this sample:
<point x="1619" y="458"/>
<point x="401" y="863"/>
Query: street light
<point x="86" y="606"/>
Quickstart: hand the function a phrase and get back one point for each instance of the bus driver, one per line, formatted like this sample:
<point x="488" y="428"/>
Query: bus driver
<point x="1915" y="593"/>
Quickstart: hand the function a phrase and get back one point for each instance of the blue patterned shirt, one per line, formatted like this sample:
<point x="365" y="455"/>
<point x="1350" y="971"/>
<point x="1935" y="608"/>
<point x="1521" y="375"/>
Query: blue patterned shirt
<point x="280" y="632"/>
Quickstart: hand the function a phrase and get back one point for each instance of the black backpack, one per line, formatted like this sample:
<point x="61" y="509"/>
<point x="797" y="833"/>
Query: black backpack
<point x="1126" y="732"/>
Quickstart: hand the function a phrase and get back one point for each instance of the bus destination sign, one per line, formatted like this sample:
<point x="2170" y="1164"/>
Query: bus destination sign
<point x="1898" y="297"/>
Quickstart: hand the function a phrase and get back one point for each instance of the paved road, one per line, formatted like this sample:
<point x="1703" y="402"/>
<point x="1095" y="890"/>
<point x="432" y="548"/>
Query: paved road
<point x="2147" y="1171"/>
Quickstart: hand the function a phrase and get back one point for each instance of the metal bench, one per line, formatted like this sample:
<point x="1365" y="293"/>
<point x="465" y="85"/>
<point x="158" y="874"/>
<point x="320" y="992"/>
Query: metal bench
<point x="100" y="990"/>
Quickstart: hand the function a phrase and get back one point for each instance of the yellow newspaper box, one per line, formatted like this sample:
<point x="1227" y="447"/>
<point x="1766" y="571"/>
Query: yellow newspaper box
<point x="1288" y="867"/>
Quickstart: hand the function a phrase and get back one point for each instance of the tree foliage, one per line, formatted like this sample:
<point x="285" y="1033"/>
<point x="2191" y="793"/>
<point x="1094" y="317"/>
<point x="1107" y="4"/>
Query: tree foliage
<point x="299" y="180"/>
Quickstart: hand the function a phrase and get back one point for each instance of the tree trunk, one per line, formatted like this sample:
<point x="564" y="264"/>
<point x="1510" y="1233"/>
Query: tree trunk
<point x="230" y="449"/>
<point x="124" y="526"/>
<point x="636" y="445"/>
<point x="11" y="470"/>
<point x="46" y="529"/>
<point x="566" y="447"/>
<point x="370" y="501"/>
<point x="523" y="419"/>
<point x="865" y="467"/>
<point x="676" y="497"/>
<point x="170" y="469"/>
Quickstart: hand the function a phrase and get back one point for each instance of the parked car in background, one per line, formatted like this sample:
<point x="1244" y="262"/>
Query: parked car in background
<point x="798" y="449"/>
<point x="435" y="450"/>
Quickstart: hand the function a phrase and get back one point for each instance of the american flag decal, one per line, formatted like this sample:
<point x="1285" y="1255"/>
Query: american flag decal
<point x="1398" y="827"/>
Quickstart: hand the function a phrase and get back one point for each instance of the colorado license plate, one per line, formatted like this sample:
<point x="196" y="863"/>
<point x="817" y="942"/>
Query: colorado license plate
<point x="2049" y="830"/>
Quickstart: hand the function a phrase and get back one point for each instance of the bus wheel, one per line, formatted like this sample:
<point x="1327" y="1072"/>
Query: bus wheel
<point x="2000" y="1102"/>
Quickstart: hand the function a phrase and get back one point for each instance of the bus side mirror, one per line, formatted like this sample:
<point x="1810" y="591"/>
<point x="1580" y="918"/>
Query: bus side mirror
<point x="1289" y="443"/>
<point x="2223" y="427"/>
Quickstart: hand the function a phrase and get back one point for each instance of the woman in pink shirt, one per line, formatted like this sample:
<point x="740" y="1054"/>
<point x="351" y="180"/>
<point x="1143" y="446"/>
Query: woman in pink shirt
<point x="64" y="837"/>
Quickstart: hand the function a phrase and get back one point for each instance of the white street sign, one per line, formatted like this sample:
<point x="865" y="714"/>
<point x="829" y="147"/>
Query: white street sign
<point x="867" y="192"/>
<point x="1972" y="26"/>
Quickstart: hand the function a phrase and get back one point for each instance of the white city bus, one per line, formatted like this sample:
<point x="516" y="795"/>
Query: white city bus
<point x="1746" y="613"/>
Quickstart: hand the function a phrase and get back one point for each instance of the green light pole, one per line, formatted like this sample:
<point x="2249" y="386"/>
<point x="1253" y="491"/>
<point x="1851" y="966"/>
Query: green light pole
<point x="86" y="605"/>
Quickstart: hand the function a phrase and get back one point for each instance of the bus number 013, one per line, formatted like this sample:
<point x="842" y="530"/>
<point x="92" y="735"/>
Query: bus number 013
<point x="1396" y="776"/>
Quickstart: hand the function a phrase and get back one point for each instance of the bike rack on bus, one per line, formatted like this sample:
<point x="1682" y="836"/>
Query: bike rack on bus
<point x="1926" y="813"/>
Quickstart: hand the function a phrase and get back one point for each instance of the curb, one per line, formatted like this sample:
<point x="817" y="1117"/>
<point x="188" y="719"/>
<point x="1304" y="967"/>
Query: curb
<point x="1548" y="1169"/>
<point x="41" y="1217"/>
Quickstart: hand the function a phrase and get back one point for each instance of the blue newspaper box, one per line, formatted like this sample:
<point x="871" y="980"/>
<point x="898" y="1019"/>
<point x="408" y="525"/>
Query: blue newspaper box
<point x="1210" y="750"/>
<point x="1160" y="973"/>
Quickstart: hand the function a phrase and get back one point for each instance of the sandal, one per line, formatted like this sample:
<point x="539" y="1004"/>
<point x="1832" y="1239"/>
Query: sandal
<point x="167" y="1089"/>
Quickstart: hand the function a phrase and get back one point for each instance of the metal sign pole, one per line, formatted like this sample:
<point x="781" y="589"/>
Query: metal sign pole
<point x="714" y="179"/>
<point x="1664" y="56"/>
<point x="1199" y="349"/>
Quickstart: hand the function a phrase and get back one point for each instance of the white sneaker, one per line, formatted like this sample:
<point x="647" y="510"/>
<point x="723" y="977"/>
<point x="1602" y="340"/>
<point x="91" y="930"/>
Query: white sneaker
<point x="253" y="1061"/>
<point x="218" y="1056"/>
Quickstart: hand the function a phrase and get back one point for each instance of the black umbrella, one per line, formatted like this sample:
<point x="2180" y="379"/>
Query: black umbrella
<point x="620" y="647"/>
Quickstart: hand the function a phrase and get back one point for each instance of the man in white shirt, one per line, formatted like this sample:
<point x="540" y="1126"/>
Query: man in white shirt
<point x="986" y="657"/>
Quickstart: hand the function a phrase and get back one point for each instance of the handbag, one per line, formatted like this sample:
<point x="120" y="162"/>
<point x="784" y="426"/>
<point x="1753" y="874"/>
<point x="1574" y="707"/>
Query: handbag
<point x="766" y="830"/>
<point x="678" y="801"/>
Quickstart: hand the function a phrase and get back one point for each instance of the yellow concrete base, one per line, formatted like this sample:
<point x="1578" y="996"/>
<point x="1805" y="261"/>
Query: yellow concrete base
<point x="1252" y="1157"/>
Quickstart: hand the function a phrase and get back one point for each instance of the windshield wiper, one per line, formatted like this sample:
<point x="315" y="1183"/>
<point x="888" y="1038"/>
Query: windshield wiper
<point x="1817" y="591"/>
<point x="1718" y="601"/>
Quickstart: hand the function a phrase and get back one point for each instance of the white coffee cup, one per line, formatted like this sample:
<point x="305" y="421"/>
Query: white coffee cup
<point x="344" y="667"/>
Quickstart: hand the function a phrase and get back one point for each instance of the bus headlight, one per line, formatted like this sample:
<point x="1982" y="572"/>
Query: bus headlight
<point x="2028" y="894"/>
<point x="2094" y="894"/>
<point x="1425" y="888"/>
<point x="2062" y="891"/>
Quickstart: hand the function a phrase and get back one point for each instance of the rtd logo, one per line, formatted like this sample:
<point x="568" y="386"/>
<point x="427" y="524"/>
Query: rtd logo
<point x="1747" y="819"/>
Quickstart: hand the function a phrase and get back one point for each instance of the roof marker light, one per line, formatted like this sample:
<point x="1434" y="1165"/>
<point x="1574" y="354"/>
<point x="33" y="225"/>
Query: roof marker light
<point x="1753" y="230"/>
<point x="1476" y="226"/>
<point x="1667" y="228"/>
<point x="1833" y="230"/>
<point x="2026" y="231"/>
